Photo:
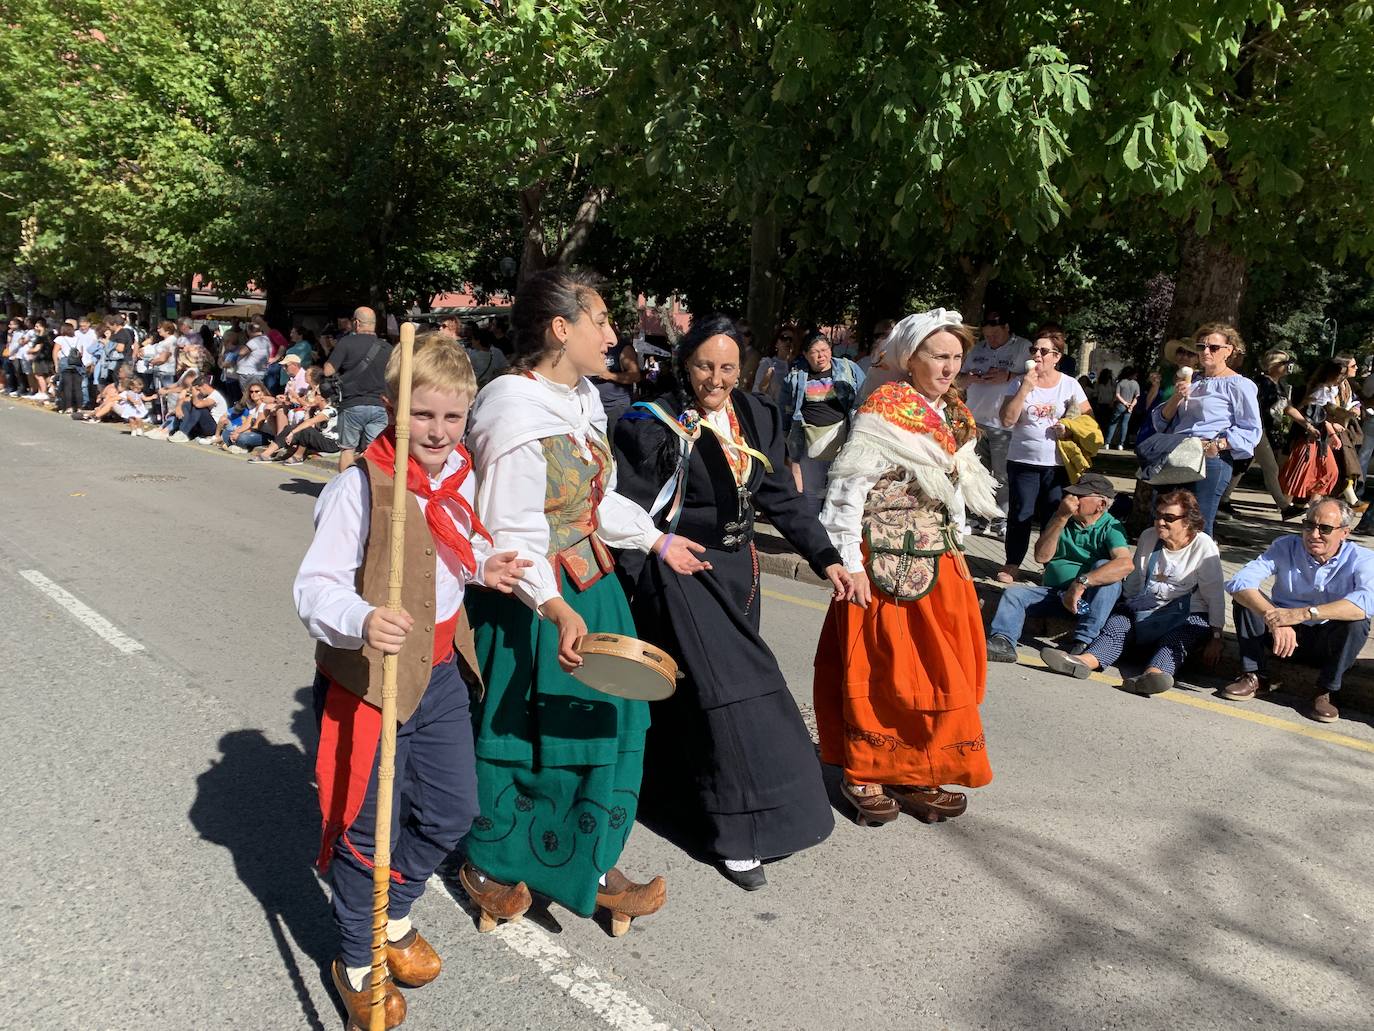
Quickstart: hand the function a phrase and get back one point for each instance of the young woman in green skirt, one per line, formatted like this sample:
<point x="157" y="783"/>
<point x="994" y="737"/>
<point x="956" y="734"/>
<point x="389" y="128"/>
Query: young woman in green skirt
<point x="558" y="763"/>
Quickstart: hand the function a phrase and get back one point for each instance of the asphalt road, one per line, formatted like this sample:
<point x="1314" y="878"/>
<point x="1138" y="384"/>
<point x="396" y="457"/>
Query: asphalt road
<point x="1165" y="863"/>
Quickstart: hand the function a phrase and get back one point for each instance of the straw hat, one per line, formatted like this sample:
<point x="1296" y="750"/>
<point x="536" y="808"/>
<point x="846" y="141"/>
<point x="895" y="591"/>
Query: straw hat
<point x="1172" y="348"/>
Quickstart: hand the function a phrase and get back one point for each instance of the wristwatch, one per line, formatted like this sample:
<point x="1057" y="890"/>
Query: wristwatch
<point x="1312" y="612"/>
<point x="1081" y="579"/>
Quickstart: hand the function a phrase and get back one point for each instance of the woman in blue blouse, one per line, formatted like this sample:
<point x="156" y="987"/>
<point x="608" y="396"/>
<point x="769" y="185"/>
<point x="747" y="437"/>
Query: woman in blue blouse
<point x="1221" y="407"/>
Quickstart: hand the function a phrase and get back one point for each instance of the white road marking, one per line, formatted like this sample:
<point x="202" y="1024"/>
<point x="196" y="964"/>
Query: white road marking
<point x="617" y="1008"/>
<point x="85" y="615"/>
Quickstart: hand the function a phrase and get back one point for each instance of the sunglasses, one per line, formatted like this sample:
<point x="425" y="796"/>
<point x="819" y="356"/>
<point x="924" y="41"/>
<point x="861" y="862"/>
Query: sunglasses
<point x="1212" y="348"/>
<point x="1322" y="529"/>
<point x="1037" y="351"/>
<point x="1169" y="517"/>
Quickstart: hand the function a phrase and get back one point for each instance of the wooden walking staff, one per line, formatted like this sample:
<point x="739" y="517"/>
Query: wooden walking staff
<point x="386" y="755"/>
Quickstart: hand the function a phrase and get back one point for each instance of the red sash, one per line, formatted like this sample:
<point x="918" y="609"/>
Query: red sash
<point x="349" y="731"/>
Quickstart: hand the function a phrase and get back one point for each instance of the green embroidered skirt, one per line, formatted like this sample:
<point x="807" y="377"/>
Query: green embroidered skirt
<point x="558" y="764"/>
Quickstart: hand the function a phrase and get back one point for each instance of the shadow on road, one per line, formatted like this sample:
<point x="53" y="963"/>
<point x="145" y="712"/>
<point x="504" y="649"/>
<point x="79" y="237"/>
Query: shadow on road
<point x="299" y="486"/>
<point x="1204" y="916"/>
<point x="258" y="801"/>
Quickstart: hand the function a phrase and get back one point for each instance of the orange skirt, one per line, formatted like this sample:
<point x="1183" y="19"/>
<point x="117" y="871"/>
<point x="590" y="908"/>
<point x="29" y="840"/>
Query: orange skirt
<point x="898" y="686"/>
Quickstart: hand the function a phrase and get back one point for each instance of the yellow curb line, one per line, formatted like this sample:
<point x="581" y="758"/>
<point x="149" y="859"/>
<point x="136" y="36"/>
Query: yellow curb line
<point x="1180" y="697"/>
<point x="805" y="603"/>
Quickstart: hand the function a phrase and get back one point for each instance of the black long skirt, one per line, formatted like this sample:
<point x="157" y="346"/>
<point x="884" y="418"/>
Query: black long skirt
<point x="729" y="768"/>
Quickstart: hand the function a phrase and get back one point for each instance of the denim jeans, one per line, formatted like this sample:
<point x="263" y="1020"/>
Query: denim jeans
<point x="360" y="425"/>
<point x="1211" y="487"/>
<point x="1036" y="491"/>
<point x="249" y="439"/>
<point x="197" y="422"/>
<point x="1019" y="602"/>
<point x="1121" y="418"/>
<point x="815" y="475"/>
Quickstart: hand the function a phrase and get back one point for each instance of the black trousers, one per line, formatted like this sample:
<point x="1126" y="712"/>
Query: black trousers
<point x="69" y="391"/>
<point x="1332" y="647"/>
<point x="1036" y="491"/>
<point x="309" y="438"/>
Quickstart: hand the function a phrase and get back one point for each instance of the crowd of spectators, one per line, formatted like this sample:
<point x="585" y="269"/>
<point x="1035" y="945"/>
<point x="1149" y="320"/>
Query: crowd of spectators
<point x="1195" y="424"/>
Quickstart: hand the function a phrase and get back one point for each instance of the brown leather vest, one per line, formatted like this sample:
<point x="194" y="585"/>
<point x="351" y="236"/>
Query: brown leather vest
<point x="360" y="671"/>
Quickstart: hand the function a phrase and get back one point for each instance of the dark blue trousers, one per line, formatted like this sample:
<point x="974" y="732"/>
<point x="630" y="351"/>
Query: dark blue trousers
<point x="435" y="803"/>
<point x="197" y="422"/>
<point x="1036" y="491"/>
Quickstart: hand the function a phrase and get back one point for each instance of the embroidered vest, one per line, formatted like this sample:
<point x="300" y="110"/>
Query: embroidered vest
<point x="575" y="487"/>
<point x="905" y="534"/>
<point x="360" y="671"/>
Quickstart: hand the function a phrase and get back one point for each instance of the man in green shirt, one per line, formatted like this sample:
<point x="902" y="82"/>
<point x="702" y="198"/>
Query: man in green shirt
<point x="1086" y="557"/>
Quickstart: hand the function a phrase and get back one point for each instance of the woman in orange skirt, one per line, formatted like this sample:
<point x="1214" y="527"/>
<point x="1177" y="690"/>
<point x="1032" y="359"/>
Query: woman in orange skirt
<point x="901" y="669"/>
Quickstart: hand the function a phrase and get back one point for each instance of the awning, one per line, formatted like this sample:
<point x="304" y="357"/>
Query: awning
<point x="231" y="311"/>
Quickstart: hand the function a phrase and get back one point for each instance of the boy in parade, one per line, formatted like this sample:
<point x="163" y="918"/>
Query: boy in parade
<point x="339" y="590"/>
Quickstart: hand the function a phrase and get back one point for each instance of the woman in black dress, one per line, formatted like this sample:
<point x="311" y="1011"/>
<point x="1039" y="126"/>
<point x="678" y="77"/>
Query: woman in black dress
<point x="729" y="767"/>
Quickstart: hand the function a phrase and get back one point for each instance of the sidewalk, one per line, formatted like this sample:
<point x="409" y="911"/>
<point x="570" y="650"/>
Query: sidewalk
<point x="1255" y="525"/>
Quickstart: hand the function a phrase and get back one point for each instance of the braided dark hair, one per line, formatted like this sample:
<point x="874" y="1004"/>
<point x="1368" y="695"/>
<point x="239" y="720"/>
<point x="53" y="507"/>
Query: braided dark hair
<point x="545" y="296"/>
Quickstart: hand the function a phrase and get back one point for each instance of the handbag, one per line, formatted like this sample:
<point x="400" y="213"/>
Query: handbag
<point x="1184" y="464"/>
<point x="1153" y="624"/>
<point x="823" y="443"/>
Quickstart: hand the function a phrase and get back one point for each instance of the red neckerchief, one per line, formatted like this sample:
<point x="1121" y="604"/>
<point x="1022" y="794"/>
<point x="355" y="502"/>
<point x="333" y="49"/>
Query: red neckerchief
<point x="383" y="452"/>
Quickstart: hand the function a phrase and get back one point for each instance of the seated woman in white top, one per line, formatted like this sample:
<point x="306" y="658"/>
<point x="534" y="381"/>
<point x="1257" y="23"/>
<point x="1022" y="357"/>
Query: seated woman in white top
<point x="1173" y="602"/>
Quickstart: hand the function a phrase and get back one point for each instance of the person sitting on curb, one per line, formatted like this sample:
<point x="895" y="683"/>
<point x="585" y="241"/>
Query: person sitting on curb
<point x="1085" y="555"/>
<point x="1173" y="603"/>
<point x="1318" y="609"/>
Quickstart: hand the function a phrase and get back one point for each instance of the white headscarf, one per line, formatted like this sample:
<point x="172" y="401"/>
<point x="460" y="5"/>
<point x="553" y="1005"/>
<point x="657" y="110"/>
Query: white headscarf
<point x="901" y="344"/>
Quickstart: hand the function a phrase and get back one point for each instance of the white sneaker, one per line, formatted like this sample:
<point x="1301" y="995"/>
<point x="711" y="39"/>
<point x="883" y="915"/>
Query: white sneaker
<point x="205" y="441"/>
<point x="35" y="397"/>
<point x="234" y="449"/>
<point x="15" y="393"/>
<point x="156" y="434"/>
<point x="179" y="438"/>
<point x="135" y="433"/>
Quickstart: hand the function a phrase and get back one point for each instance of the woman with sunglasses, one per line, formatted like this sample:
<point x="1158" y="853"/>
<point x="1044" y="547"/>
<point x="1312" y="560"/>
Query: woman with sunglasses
<point x="1173" y="602"/>
<point x="1221" y="407"/>
<point x="1034" y="405"/>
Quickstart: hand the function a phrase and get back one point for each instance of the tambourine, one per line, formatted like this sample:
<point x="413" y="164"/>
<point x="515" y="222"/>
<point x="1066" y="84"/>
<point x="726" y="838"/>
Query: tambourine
<point x="625" y="667"/>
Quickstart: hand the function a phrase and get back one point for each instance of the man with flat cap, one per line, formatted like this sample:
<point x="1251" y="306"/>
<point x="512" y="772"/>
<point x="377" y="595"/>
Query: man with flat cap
<point x="1086" y="558"/>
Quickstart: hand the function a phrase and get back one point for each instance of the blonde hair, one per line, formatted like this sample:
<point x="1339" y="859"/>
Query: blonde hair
<point x="440" y="363"/>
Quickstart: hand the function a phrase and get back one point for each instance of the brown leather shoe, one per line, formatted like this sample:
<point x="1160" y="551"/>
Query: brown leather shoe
<point x="1322" y="710"/>
<point x="1245" y="687"/>
<point x="625" y="899"/>
<point x="497" y="901"/>
<point x="872" y="806"/>
<point x="359" y="1004"/>
<point x="927" y="804"/>
<point x="412" y="961"/>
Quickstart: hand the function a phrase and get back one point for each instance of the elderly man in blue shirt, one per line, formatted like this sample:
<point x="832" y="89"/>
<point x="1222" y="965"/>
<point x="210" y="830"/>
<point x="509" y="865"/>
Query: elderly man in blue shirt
<point x="1318" y="609"/>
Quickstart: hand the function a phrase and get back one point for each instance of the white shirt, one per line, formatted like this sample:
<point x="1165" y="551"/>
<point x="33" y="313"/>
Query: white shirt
<point x="511" y="495"/>
<point x="66" y="345"/>
<point x="1197" y="565"/>
<point x="1045" y="406"/>
<point x="254" y="363"/>
<point x="985" y="399"/>
<point x="325" y="590"/>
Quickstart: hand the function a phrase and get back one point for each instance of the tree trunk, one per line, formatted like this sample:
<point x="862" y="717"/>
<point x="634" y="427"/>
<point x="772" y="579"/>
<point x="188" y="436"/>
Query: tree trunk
<point x="1209" y="287"/>
<point x="587" y="211"/>
<point x="765" y="280"/>
<point x="279" y="282"/>
<point x="184" y="298"/>
<point x="977" y="276"/>
<point x="533" y="255"/>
